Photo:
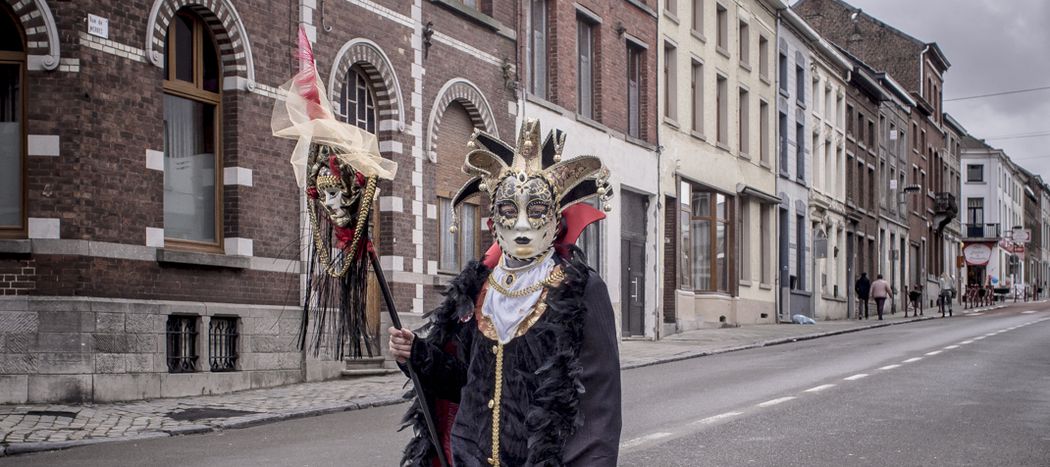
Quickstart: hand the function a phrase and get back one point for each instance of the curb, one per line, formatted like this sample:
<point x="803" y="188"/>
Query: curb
<point x="778" y="341"/>
<point x="232" y="424"/>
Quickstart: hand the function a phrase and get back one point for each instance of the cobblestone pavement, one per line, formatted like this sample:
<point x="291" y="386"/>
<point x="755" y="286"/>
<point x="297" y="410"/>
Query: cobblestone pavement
<point x="30" y="428"/>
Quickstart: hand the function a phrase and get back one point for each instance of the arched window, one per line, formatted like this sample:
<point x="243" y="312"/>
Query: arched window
<point x="12" y="126"/>
<point x="358" y="100"/>
<point x="192" y="155"/>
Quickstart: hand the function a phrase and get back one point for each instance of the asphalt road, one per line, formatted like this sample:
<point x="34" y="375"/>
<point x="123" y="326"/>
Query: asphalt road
<point x="970" y="390"/>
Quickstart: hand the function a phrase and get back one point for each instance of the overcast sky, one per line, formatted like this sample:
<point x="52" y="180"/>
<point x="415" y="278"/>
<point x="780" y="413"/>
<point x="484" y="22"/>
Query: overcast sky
<point x="993" y="46"/>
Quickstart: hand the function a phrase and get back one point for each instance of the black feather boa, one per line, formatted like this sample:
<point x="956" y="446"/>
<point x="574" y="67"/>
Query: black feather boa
<point x="542" y="370"/>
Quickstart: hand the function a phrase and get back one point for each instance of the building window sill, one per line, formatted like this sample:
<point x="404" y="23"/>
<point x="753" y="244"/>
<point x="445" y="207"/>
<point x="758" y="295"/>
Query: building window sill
<point x="698" y="35"/>
<point x="478" y="17"/>
<point x="765" y="286"/>
<point x="745" y="66"/>
<point x="202" y="259"/>
<point x="671" y="122"/>
<point x="722" y="51"/>
<point x="16" y="247"/>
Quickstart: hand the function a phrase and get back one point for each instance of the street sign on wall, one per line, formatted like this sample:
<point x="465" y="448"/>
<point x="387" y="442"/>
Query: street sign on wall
<point x="1021" y="235"/>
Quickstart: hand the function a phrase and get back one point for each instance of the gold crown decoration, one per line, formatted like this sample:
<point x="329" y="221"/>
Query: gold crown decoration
<point x="572" y="181"/>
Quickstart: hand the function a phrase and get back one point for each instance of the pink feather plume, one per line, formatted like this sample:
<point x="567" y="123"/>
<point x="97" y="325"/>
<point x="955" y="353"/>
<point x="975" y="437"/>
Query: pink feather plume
<point x="306" y="79"/>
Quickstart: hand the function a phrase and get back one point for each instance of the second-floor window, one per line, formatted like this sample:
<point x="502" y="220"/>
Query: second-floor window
<point x="538" y="48"/>
<point x="745" y="44"/>
<point x="722" y="16"/>
<point x="975" y="211"/>
<point x="763" y="57"/>
<point x="670" y="81"/>
<point x="585" y="66"/>
<point x="974" y="173"/>
<point x="635" y="57"/>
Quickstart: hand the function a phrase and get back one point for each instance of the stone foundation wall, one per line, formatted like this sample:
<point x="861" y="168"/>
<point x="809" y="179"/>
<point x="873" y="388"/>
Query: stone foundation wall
<point x="58" y="349"/>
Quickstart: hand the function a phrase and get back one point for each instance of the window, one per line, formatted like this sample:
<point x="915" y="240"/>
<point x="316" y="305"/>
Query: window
<point x="469" y="3"/>
<point x="671" y="6"/>
<point x="710" y="229"/>
<point x="783" y="127"/>
<point x="765" y="257"/>
<point x="763" y="57"/>
<point x="871" y="188"/>
<point x="745" y="44"/>
<point x="800" y="83"/>
<point x="181" y="338"/>
<point x="635" y="56"/>
<point x="744" y="116"/>
<point x="745" y="241"/>
<point x="849" y="119"/>
<point x="222" y="344"/>
<point x="763" y="132"/>
<point x="975" y="173"/>
<point x="722" y="16"/>
<point x="860" y="127"/>
<point x="192" y="160"/>
<point x="723" y="110"/>
<point x="696" y="89"/>
<point x="591" y="243"/>
<point x="800" y="252"/>
<point x="359" y="108"/>
<point x="458" y="249"/>
<point x="12" y="129"/>
<point x="800" y="151"/>
<point x="698" y="16"/>
<point x="975" y="211"/>
<point x="538" y="48"/>
<point x="815" y="95"/>
<point x="783" y="70"/>
<point x="685" y="259"/>
<point x="871" y="134"/>
<point x="671" y="81"/>
<point x="585" y="67"/>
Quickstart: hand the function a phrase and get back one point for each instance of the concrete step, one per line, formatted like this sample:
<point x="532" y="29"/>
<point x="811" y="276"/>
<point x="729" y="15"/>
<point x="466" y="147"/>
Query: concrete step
<point x="364" y="362"/>
<point x="359" y="373"/>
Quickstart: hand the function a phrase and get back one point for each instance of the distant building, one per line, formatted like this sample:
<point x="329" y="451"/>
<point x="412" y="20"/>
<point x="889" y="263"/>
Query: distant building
<point x="717" y="110"/>
<point x="993" y="193"/>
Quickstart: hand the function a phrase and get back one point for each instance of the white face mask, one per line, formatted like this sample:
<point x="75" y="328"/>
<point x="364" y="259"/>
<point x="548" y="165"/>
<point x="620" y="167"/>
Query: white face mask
<point x="524" y="216"/>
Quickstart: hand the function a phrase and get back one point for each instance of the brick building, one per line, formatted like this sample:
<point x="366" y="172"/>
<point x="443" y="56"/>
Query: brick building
<point x="149" y="253"/>
<point x="919" y="67"/>
<point x="151" y="245"/>
<point x="589" y="68"/>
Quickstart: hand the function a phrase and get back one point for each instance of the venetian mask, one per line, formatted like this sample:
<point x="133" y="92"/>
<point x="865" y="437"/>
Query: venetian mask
<point x="529" y="186"/>
<point x="524" y="216"/>
<point x="335" y="195"/>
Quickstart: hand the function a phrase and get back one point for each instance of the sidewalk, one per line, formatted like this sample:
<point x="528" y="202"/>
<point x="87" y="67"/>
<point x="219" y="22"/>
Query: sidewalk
<point x="32" y="428"/>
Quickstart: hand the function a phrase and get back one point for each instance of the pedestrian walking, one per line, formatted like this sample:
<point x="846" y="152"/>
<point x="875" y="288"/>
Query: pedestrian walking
<point x="880" y="291"/>
<point x="947" y="294"/>
<point x="863" y="288"/>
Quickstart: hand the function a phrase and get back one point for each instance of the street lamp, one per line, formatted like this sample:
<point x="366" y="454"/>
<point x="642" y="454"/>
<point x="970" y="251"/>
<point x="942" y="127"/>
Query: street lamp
<point x="902" y="206"/>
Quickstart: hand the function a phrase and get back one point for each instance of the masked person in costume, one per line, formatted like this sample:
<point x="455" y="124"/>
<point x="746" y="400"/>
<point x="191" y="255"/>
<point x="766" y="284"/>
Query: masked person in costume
<point x="520" y="360"/>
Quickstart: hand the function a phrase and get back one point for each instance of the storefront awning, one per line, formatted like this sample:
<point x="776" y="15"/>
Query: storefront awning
<point x="745" y="190"/>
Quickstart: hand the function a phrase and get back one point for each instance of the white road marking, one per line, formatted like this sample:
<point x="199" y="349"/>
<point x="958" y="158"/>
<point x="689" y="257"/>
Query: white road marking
<point x="855" y="377"/>
<point x="643" y="439"/>
<point x="776" y="401"/>
<point x="913" y="359"/>
<point x="889" y="367"/>
<point x="820" y="388"/>
<point x="935" y="352"/>
<point x="978" y="338"/>
<point x="975" y="314"/>
<point x="1027" y="312"/>
<point x="966" y="342"/>
<point x="715" y="418"/>
<point x="951" y="347"/>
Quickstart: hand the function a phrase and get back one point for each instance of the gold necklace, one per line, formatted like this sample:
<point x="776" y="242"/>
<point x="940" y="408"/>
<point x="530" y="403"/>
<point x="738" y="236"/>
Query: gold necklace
<point x="554" y="278"/>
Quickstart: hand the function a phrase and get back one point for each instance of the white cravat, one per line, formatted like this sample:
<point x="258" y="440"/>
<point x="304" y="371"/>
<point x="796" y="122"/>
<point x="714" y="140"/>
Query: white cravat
<point x="508" y="312"/>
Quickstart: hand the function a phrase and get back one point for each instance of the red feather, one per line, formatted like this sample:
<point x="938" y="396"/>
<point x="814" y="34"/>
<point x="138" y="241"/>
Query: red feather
<point x="306" y="79"/>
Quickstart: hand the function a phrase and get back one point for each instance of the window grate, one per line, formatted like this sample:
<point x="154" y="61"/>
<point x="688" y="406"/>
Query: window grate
<point x="182" y="344"/>
<point x="222" y="344"/>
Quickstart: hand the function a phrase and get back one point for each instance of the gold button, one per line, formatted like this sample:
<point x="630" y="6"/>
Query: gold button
<point x="492" y="403"/>
<point x="492" y="461"/>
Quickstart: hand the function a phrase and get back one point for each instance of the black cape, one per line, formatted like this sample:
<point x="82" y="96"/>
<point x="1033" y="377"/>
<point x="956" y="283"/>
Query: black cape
<point x="561" y="391"/>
